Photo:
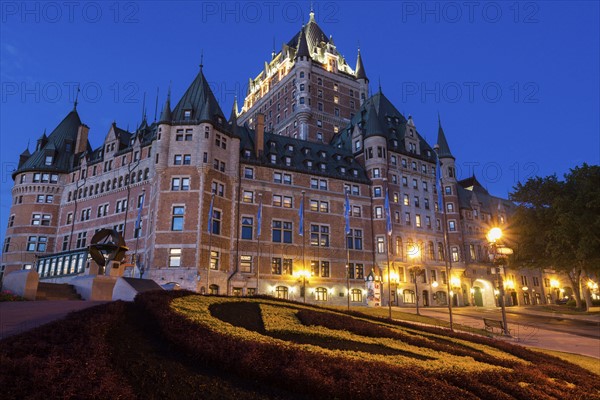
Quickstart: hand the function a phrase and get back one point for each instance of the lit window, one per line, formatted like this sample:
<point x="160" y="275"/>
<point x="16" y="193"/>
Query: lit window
<point x="174" y="258"/>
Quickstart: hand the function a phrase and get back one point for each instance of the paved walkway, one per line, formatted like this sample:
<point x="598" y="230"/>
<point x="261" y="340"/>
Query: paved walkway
<point x="20" y="316"/>
<point x="532" y="336"/>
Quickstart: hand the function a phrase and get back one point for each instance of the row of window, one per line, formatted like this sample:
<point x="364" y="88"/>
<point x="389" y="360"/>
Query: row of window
<point x="39" y="177"/>
<point x="115" y="183"/>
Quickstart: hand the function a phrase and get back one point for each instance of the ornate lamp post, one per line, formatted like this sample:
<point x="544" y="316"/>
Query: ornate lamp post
<point x="413" y="253"/>
<point x="493" y="236"/>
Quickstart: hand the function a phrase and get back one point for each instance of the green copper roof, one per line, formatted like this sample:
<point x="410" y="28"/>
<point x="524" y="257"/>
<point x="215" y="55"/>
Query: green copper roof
<point x="200" y="100"/>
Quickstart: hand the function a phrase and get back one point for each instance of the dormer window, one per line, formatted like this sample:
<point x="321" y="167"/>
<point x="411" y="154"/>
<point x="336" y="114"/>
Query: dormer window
<point x="355" y="172"/>
<point x="394" y="143"/>
<point x="48" y="160"/>
<point x="247" y="153"/>
<point x="187" y="115"/>
<point x="322" y="154"/>
<point x="323" y="166"/>
<point x="412" y="133"/>
<point x="288" y="161"/>
<point x="309" y="163"/>
<point x="343" y="170"/>
<point x="290" y="147"/>
<point x="273" y="158"/>
<point x="307" y="151"/>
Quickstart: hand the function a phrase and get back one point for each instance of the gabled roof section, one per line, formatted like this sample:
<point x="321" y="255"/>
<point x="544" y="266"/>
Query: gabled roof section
<point x="444" y="149"/>
<point x="55" y="145"/>
<point x="200" y="100"/>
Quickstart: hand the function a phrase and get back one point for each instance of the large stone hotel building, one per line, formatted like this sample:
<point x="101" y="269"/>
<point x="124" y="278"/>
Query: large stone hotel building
<point x="185" y="192"/>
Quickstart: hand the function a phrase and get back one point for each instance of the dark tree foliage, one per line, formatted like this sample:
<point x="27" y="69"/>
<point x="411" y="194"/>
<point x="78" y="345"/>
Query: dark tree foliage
<point x="558" y="225"/>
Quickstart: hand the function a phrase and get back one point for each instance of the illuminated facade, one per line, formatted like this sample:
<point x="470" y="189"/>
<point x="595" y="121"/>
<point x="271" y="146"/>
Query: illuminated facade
<point x="307" y="134"/>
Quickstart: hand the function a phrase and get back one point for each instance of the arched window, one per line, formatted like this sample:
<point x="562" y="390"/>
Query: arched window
<point x="281" y="292"/>
<point x="213" y="289"/>
<point x="321" y="294"/>
<point x="356" y="296"/>
<point x="409" y="296"/>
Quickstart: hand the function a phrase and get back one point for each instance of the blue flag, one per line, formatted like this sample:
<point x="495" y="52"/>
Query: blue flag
<point x="210" y="213"/>
<point x="347" y="213"/>
<point x="438" y="176"/>
<point x="388" y="217"/>
<point x="139" y="216"/>
<point x="301" y="216"/>
<point x="259" y="218"/>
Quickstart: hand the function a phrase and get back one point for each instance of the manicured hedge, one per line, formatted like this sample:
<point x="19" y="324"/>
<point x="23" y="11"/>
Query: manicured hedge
<point x="315" y="374"/>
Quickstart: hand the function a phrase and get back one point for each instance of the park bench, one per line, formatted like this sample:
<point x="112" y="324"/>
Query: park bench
<point x="491" y="324"/>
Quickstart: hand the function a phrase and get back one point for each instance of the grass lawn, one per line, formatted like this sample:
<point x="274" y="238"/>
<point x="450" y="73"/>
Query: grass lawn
<point x="174" y="345"/>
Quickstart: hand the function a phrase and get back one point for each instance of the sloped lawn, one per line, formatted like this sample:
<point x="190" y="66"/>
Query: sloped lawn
<point x="175" y="345"/>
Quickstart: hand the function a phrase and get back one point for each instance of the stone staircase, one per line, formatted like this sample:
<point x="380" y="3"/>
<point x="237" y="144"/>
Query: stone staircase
<point x="56" y="291"/>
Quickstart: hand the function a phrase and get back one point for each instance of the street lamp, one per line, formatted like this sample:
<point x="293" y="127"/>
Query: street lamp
<point x="413" y="253"/>
<point x="493" y="236"/>
<point x="304" y="274"/>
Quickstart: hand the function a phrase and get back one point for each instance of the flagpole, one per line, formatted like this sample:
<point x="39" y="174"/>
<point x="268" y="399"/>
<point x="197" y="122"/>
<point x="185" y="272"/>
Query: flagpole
<point x="446" y="253"/>
<point x="138" y="226"/>
<point x="258" y="229"/>
<point x="301" y="231"/>
<point x="388" y="221"/>
<point x="347" y="218"/>
<point x="210" y="232"/>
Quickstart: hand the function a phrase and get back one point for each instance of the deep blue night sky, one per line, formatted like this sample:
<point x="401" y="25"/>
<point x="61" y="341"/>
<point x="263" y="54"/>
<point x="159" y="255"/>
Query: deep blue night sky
<point x="516" y="84"/>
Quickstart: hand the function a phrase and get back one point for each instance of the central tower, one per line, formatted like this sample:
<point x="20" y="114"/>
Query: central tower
<point x="307" y="91"/>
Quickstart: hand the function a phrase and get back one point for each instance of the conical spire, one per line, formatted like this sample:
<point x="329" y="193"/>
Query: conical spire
<point x="373" y="126"/>
<point x="234" y="111"/>
<point x="199" y="100"/>
<point x="360" y="68"/>
<point x="165" y="115"/>
<point x="444" y="149"/>
<point x="302" y="45"/>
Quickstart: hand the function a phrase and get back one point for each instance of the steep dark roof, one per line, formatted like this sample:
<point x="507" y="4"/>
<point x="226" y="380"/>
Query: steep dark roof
<point x="55" y="145"/>
<point x="302" y="46"/>
<point x="376" y="114"/>
<point x="444" y="149"/>
<point x="470" y="189"/>
<point x="373" y="126"/>
<point x="360" y="68"/>
<point x="200" y="99"/>
<point x="326" y="160"/>
<point x="165" y="115"/>
<point x="313" y="33"/>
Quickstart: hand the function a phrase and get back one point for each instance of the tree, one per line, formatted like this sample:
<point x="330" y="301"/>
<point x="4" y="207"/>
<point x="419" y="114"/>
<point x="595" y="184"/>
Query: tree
<point x="558" y="225"/>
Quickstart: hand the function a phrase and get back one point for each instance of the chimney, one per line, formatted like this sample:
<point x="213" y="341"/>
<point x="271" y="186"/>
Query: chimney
<point x="260" y="134"/>
<point x="82" y="139"/>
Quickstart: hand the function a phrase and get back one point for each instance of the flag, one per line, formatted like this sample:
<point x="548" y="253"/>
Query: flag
<point x="301" y="216"/>
<point x="388" y="218"/>
<point x="210" y="213"/>
<point x="347" y="213"/>
<point x="438" y="175"/>
<point x="139" y="216"/>
<point x="259" y="219"/>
